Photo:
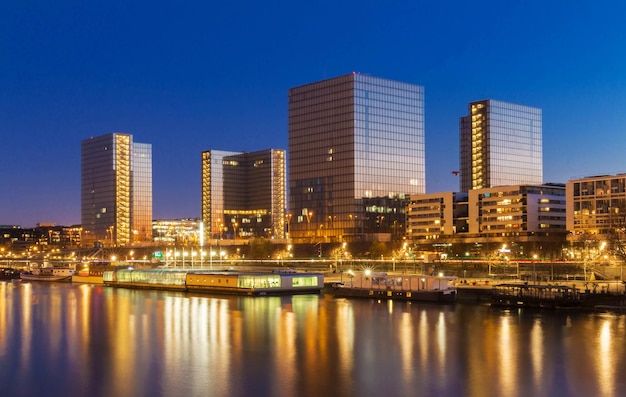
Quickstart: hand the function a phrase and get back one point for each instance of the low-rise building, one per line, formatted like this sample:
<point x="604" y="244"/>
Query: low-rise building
<point x="530" y="217"/>
<point x="596" y="206"/>
<point x="433" y="215"/>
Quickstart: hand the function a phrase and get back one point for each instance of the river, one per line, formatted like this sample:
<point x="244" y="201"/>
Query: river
<point x="86" y="340"/>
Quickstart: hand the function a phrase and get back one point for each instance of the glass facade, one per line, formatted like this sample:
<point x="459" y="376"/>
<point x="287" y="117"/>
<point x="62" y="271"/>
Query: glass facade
<point x="141" y="223"/>
<point x="116" y="190"/>
<point x="352" y="139"/>
<point x="243" y="194"/>
<point x="213" y="192"/>
<point x="500" y="144"/>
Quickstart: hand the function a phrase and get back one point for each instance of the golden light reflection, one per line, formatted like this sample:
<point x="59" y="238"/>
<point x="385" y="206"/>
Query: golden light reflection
<point x="537" y="352"/>
<point x="507" y="358"/>
<point x="120" y="322"/>
<point x="28" y="302"/>
<point x="407" y="346"/>
<point x="5" y="315"/>
<point x="441" y="342"/>
<point x="285" y="375"/>
<point x="604" y="363"/>
<point x="345" y="337"/>
<point x="423" y="333"/>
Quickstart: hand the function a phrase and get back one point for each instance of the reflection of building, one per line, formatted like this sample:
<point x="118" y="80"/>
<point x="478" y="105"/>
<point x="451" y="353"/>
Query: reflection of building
<point x="176" y="231"/>
<point x="116" y="189"/>
<point x="353" y="139"/>
<point x="500" y="144"/>
<point x="596" y="206"/>
<point x="243" y="194"/>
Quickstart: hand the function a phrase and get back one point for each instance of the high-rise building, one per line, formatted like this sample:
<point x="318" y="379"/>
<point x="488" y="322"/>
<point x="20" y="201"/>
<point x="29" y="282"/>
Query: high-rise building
<point x="356" y="151"/>
<point x="116" y="190"/>
<point x="500" y="144"/>
<point x="243" y="194"/>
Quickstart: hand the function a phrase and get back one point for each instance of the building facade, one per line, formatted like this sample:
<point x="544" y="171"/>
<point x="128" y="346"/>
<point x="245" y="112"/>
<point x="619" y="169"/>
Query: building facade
<point x="354" y="140"/>
<point x="243" y="194"/>
<point x="520" y="212"/>
<point x="500" y="144"/>
<point x="183" y="232"/>
<point x="596" y="207"/>
<point x="531" y="218"/>
<point x="116" y="190"/>
<point x="431" y="216"/>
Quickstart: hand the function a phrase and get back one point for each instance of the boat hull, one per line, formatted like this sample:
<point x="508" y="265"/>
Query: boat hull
<point x="537" y="296"/>
<point x="438" y="296"/>
<point x="9" y="274"/>
<point x="39" y="277"/>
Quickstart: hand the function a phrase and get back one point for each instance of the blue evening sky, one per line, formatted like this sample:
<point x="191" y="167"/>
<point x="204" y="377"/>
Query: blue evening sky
<point x="188" y="76"/>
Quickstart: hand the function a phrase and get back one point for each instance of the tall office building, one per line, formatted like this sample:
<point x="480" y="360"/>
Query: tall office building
<point x="243" y="194"/>
<point x="116" y="190"/>
<point x="500" y="144"/>
<point x="356" y="151"/>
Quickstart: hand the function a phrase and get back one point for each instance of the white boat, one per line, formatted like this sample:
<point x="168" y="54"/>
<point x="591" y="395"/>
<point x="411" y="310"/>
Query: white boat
<point x="398" y="286"/>
<point x="49" y="274"/>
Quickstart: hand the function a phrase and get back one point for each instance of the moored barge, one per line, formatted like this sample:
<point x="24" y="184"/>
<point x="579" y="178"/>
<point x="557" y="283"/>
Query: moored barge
<point x="223" y="282"/>
<point x="536" y="296"/>
<point x="48" y="274"/>
<point x="400" y="287"/>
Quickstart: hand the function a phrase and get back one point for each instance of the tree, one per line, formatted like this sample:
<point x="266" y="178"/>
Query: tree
<point x="378" y="249"/>
<point x="260" y="248"/>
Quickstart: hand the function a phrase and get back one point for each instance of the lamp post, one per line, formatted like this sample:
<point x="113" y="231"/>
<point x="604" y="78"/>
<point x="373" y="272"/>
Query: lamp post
<point x="288" y="217"/>
<point x="110" y="230"/>
<point x="309" y="214"/>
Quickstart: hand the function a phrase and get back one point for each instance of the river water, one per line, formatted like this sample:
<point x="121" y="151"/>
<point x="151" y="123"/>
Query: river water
<point x="85" y="340"/>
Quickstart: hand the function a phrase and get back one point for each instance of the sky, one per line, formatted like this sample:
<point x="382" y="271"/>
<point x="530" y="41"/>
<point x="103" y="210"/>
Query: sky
<point x="189" y="76"/>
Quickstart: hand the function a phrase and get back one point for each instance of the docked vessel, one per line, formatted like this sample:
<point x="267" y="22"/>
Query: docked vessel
<point x="536" y="296"/>
<point x="48" y="274"/>
<point x="9" y="274"/>
<point x="401" y="287"/>
<point x="223" y="282"/>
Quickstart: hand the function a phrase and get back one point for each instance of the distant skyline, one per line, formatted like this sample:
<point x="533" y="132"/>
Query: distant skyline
<point x="194" y="76"/>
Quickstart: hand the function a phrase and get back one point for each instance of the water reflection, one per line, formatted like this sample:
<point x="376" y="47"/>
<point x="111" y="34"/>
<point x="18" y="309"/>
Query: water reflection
<point x="79" y="340"/>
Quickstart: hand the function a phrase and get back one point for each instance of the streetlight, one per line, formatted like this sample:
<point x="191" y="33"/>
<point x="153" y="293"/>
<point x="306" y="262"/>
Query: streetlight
<point x="110" y="231"/>
<point x="288" y="216"/>
<point x="308" y="214"/>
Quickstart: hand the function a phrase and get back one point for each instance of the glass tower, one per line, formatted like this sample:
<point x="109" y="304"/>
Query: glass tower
<point x="116" y="190"/>
<point x="356" y="151"/>
<point x="500" y="144"/>
<point x="243" y="194"/>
